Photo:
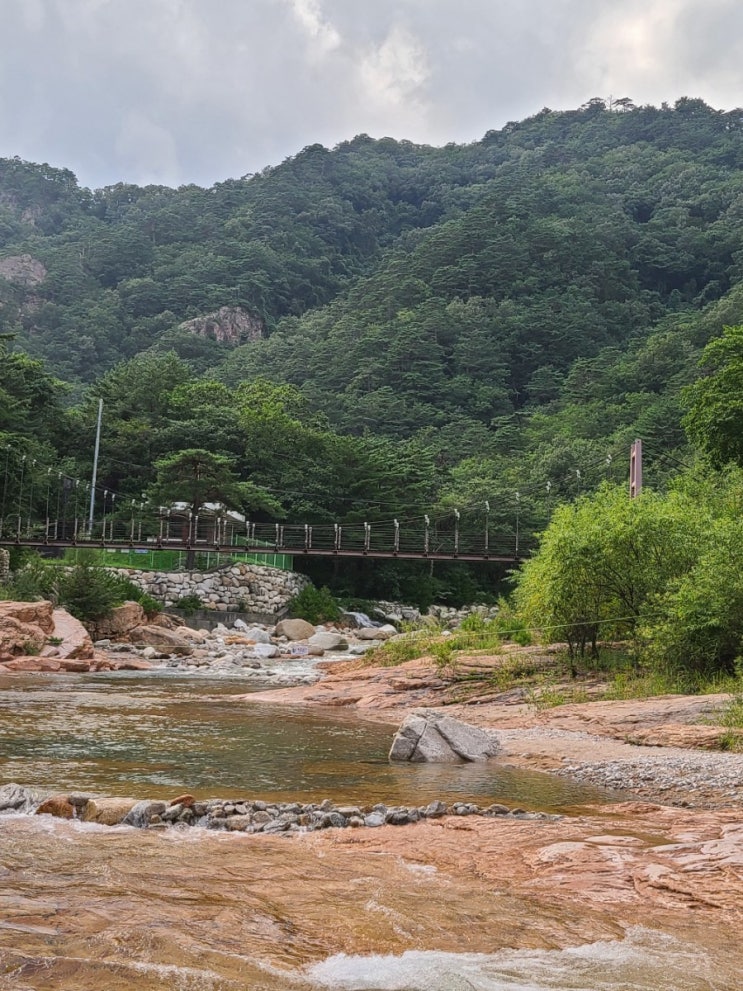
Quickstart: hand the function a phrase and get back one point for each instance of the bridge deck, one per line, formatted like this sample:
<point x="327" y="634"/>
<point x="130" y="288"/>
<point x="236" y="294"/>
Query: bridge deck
<point x="262" y="550"/>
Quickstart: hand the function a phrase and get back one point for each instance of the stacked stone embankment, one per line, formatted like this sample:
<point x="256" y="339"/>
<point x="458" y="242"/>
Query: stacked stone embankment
<point x="239" y="814"/>
<point x="251" y="588"/>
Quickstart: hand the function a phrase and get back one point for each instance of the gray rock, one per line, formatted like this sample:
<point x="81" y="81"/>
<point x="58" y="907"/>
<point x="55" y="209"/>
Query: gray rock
<point x="397" y="817"/>
<point x="469" y="742"/>
<point x="255" y="633"/>
<point x="371" y="633"/>
<point x="142" y="812"/>
<point x="435" y="809"/>
<point x="328" y="640"/>
<point x="265" y="650"/>
<point x="374" y="819"/>
<point x="276" y="826"/>
<point x="294" y="629"/>
<point x="239" y="824"/>
<point x="430" y="737"/>
<point x="334" y="819"/>
<point x="18" y="798"/>
<point x="358" y="649"/>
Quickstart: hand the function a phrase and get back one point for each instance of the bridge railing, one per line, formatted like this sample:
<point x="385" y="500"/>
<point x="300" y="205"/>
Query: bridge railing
<point x="451" y="537"/>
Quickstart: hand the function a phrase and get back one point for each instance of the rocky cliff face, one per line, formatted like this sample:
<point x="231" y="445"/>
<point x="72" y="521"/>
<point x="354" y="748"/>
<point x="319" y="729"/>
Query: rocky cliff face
<point x="23" y="270"/>
<point x="229" y="324"/>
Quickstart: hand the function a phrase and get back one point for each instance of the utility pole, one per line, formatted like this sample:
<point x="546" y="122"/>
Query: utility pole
<point x="635" y="469"/>
<point x="95" y="466"/>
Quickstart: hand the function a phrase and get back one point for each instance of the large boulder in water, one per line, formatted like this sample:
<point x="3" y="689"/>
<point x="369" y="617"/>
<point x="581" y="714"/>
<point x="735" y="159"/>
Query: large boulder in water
<point x="436" y="738"/>
<point x="75" y="639"/>
<point x="26" y="628"/>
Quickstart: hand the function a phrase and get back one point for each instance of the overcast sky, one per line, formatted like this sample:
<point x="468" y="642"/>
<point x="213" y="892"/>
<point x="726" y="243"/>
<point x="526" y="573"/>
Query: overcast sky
<point x="177" y="91"/>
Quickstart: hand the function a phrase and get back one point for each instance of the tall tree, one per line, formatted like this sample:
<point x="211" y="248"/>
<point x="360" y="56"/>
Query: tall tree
<point x="715" y="417"/>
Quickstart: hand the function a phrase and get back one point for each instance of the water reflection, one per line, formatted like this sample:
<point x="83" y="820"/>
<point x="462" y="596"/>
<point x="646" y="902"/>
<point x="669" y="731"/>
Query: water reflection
<point x="129" y="733"/>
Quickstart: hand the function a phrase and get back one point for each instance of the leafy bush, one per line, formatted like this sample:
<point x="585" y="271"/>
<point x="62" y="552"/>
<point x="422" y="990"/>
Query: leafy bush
<point x="698" y="625"/>
<point x="398" y="651"/>
<point x="316" y="605"/>
<point x="36" y="579"/>
<point x="85" y="590"/>
<point x="189" y="604"/>
<point x="510" y="626"/>
<point x="90" y="593"/>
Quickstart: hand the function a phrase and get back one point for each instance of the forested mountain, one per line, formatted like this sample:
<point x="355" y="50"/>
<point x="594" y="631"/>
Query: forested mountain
<point x="434" y="325"/>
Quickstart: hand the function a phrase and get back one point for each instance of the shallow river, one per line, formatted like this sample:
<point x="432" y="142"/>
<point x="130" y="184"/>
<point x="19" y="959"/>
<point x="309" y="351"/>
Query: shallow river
<point x="160" y="735"/>
<point x="89" y="907"/>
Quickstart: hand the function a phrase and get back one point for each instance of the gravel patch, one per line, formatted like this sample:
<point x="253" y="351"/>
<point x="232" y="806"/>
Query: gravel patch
<point x="669" y="775"/>
<point x="681" y="777"/>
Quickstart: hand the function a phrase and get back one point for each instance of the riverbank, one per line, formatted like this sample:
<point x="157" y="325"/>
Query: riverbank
<point x="662" y="749"/>
<point x="633" y="894"/>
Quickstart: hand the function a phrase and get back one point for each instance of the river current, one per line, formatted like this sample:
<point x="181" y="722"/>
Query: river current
<point x="85" y="906"/>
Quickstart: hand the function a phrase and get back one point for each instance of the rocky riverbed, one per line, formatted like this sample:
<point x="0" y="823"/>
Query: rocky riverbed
<point x="35" y="637"/>
<point x="660" y="749"/>
<point x="239" y="815"/>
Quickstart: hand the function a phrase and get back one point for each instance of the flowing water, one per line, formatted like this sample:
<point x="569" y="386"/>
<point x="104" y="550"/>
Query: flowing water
<point x="161" y="735"/>
<point x="92" y="907"/>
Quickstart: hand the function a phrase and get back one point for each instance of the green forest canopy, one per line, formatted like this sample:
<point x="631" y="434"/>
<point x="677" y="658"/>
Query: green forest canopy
<point x="441" y="326"/>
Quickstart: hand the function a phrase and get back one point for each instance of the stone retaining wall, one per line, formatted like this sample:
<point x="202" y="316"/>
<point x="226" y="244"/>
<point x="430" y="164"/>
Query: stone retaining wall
<point x="238" y="587"/>
<point x="4" y="566"/>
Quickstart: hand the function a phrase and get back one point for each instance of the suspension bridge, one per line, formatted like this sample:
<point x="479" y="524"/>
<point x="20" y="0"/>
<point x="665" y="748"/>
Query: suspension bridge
<point x="44" y="508"/>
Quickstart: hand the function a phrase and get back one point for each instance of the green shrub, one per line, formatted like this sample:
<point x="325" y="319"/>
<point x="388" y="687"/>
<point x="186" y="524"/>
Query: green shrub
<point x="316" y="605"/>
<point x="90" y="593"/>
<point x="151" y="606"/>
<point x="398" y="651"/>
<point x="129" y="592"/>
<point x="36" y="579"/>
<point x="697" y="624"/>
<point x="442" y="654"/>
<point x="189" y="604"/>
<point x="510" y="625"/>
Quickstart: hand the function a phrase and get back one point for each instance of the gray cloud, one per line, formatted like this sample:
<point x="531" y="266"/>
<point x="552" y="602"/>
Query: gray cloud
<point x="176" y="91"/>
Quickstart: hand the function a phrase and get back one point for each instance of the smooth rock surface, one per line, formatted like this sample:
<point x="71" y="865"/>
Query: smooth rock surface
<point x="108" y="811"/>
<point x="295" y="629"/>
<point x="431" y="737"/>
<point x="121" y="621"/>
<point x="328" y="640"/>
<point x="165" y="640"/>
